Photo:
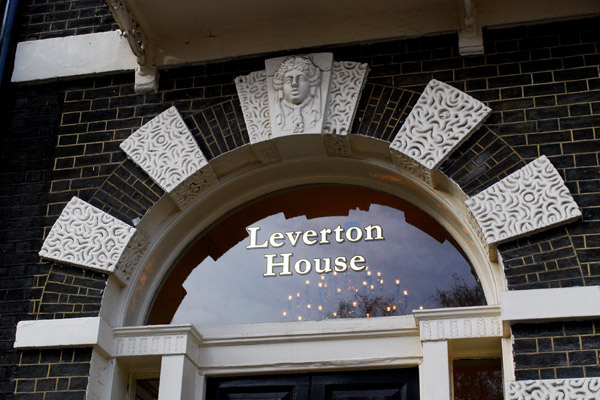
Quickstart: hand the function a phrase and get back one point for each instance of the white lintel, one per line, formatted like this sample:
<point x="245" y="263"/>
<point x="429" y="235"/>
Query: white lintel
<point x="69" y="332"/>
<point x="72" y="56"/>
<point x="551" y="304"/>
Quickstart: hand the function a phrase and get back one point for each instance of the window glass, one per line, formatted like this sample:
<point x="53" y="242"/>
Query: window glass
<point x="478" y="379"/>
<point x="146" y="389"/>
<point x="317" y="253"/>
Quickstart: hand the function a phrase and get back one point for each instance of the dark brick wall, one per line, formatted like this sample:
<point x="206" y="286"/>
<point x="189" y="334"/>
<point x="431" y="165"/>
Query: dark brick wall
<point x="32" y="118"/>
<point x="41" y="19"/>
<point x="60" y="374"/>
<point x="542" y="83"/>
<point x="557" y="350"/>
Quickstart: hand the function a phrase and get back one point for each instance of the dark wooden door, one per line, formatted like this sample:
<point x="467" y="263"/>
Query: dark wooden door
<point x="395" y="384"/>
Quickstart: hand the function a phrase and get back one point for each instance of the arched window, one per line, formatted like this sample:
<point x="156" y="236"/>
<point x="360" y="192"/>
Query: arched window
<point x="314" y="253"/>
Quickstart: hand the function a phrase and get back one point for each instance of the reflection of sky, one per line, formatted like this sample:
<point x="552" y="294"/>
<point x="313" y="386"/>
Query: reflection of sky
<point x="233" y="289"/>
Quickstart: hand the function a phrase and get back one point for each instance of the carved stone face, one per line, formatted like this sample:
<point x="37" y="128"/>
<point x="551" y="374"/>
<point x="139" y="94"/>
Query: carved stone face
<point x="296" y="86"/>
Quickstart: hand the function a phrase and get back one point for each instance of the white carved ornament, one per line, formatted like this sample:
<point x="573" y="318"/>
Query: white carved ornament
<point x="460" y="328"/>
<point x="165" y="149"/>
<point x="347" y="82"/>
<point x="87" y="237"/>
<point x="252" y="90"/>
<point x="443" y="118"/>
<point x="413" y="168"/>
<point x="165" y="344"/>
<point x="555" y="389"/>
<point x="527" y="201"/>
<point x="297" y="88"/>
<point x="329" y="104"/>
<point x="194" y="186"/>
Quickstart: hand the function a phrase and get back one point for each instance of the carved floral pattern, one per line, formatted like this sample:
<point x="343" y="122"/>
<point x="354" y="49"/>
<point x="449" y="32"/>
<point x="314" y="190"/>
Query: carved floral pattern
<point x="555" y="389"/>
<point x="442" y="119"/>
<point x="337" y="145"/>
<point x="131" y="256"/>
<point x="85" y="236"/>
<point x="165" y="149"/>
<point x="266" y="152"/>
<point x="412" y="167"/>
<point x="193" y="187"/>
<point x="528" y="200"/>
<point x="252" y="90"/>
<point x="347" y="82"/>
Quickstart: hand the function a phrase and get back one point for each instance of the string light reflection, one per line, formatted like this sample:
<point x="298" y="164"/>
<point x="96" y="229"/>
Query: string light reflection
<point x="342" y="295"/>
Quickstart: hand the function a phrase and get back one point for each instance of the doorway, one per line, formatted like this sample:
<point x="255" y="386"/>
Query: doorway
<point x="392" y="384"/>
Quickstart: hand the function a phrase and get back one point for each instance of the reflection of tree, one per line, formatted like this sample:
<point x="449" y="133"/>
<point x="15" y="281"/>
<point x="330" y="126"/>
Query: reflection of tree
<point x="364" y="305"/>
<point x="458" y="295"/>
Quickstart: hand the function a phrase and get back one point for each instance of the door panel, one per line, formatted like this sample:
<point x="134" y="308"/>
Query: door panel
<point x="396" y="384"/>
<point x="285" y="387"/>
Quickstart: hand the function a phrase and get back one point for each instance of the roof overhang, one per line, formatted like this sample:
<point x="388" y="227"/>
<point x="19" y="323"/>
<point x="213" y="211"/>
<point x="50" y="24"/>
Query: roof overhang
<point x="168" y="33"/>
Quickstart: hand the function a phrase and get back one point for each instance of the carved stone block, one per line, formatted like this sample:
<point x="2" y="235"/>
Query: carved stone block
<point x="87" y="237"/>
<point x="529" y="200"/>
<point x="337" y="145"/>
<point x="554" y="389"/>
<point x="347" y="82"/>
<point x="165" y="149"/>
<point x="267" y="152"/>
<point x="252" y="90"/>
<point x="460" y="328"/>
<point x="194" y="186"/>
<point x="441" y="120"/>
<point x="408" y="165"/>
<point x="297" y="87"/>
<point x="301" y="94"/>
<point x="131" y="256"/>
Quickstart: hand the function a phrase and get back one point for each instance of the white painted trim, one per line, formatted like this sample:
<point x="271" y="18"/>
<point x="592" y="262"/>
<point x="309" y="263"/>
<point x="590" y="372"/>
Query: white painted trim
<point x="71" y="56"/>
<point x="435" y="375"/>
<point x="69" y="332"/>
<point x="460" y="323"/>
<point x="551" y="304"/>
<point x="194" y="352"/>
<point x="177" y="378"/>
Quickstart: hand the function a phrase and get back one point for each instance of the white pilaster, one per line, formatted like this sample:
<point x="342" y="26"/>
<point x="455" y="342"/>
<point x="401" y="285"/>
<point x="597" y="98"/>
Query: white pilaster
<point x="435" y="383"/>
<point x="177" y="378"/>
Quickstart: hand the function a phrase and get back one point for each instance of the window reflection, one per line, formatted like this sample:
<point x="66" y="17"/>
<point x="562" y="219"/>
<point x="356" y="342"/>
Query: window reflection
<point x="478" y="379"/>
<point x="292" y="269"/>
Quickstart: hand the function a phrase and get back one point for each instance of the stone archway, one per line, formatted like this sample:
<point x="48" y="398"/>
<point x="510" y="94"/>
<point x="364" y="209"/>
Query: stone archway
<point x="438" y="123"/>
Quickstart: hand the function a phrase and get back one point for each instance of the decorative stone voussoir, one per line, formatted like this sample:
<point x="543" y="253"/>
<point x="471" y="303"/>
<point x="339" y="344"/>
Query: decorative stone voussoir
<point x="165" y="149"/>
<point x="551" y="389"/>
<point x="529" y="200"/>
<point x="252" y="91"/>
<point x="347" y="82"/>
<point x="443" y="118"/>
<point x="301" y="94"/>
<point x="87" y="237"/>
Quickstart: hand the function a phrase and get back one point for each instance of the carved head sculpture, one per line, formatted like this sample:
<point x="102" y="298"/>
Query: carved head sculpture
<point x="295" y="78"/>
<point x="297" y="83"/>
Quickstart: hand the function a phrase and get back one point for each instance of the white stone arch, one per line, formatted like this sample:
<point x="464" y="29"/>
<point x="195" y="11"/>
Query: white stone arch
<point x="201" y="191"/>
<point x="170" y="230"/>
